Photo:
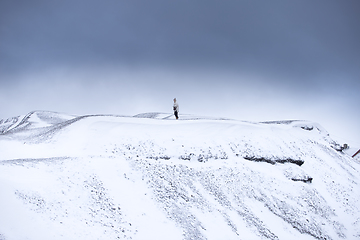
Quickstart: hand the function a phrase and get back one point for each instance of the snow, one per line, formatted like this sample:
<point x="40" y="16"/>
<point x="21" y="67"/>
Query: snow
<point x="153" y="177"/>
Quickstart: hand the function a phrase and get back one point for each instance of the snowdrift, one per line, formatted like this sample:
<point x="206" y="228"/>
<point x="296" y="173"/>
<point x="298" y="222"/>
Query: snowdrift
<point x="152" y="177"/>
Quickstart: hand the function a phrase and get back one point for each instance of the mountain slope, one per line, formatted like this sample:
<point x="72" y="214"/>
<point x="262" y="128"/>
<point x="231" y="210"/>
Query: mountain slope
<point x="149" y="177"/>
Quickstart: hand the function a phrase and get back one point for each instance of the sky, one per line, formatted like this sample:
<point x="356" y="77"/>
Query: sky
<point x="245" y="60"/>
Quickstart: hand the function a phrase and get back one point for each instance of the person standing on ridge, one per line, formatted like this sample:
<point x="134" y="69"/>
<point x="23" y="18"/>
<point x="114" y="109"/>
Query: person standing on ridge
<point x="176" y="109"/>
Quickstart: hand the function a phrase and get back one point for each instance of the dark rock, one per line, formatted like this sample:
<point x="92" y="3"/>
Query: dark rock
<point x="305" y="180"/>
<point x="273" y="161"/>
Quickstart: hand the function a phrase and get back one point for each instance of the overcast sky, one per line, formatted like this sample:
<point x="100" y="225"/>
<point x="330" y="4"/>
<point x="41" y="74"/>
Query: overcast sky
<point x="247" y="60"/>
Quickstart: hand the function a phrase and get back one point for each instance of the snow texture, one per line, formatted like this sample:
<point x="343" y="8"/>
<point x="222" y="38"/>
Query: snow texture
<point x="153" y="177"/>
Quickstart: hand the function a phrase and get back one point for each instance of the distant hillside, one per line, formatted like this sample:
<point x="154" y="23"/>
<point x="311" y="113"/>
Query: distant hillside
<point x="153" y="177"/>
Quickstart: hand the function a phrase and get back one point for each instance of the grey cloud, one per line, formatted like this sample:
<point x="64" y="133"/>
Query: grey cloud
<point x="273" y="36"/>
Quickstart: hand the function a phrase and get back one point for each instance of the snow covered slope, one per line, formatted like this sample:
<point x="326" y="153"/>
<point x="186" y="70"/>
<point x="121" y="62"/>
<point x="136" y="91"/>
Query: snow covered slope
<point x="151" y="177"/>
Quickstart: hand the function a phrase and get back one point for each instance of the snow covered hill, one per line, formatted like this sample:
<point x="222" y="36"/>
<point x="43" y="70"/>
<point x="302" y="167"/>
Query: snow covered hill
<point x="152" y="177"/>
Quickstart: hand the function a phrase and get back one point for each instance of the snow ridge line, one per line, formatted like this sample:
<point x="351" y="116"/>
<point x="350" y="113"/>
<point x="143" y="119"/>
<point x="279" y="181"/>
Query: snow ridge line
<point x="22" y="161"/>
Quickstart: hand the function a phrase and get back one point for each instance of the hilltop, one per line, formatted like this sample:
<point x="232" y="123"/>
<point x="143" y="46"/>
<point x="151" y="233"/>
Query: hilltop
<point x="152" y="177"/>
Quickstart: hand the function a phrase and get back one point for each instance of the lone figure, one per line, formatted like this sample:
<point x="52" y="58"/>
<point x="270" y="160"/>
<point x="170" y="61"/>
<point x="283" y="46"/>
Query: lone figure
<point x="176" y="109"/>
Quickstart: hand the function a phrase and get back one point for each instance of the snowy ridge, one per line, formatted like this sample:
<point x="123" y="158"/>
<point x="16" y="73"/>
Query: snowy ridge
<point x="35" y="119"/>
<point x="151" y="177"/>
<point x="169" y="116"/>
<point x="7" y="124"/>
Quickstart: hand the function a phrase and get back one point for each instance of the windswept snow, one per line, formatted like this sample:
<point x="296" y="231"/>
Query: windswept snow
<point x="152" y="177"/>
